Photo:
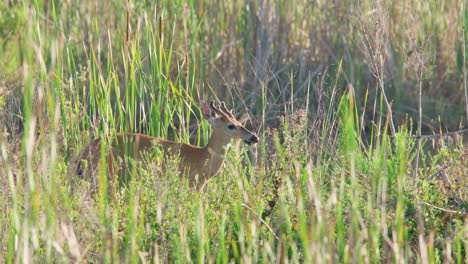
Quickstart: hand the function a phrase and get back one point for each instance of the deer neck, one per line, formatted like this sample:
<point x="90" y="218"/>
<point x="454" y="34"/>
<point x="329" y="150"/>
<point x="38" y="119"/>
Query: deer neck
<point x="215" y="154"/>
<point x="217" y="147"/>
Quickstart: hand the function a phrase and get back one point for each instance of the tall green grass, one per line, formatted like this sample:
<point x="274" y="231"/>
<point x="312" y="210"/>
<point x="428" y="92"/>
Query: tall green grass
<point x="328" y="181"/>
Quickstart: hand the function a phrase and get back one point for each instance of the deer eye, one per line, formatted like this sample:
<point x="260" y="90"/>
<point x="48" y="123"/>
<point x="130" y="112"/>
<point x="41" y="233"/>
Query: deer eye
<point x="231" y="127"/>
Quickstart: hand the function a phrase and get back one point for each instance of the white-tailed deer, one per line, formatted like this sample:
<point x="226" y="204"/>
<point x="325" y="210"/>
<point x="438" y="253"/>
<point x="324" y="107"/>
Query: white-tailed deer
<point x="198" y="164"/>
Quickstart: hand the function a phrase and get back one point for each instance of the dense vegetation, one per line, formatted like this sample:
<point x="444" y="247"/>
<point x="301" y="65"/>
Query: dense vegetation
<point x="353" y="102"/>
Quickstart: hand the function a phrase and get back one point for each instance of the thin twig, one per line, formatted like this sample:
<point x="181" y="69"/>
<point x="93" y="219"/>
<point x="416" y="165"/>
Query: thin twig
<point x="443" y="209"/>
<point x="451" y="188"/>
<point x="376" y="53"/>
<point x="451" y="133"/>
<point x="416" y="169"/>
<point x="263" y="221"/>
<point x="450" y="163"/>
<point x="464" y="66"/>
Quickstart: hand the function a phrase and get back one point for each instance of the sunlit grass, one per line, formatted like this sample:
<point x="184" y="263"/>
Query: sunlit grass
<point x="327" y="183"/>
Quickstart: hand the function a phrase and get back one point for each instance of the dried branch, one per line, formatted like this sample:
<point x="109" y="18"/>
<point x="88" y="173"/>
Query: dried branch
<point x="263" y="221"/>
<point x="451" y="133"/>
<point x="445" y="210"/>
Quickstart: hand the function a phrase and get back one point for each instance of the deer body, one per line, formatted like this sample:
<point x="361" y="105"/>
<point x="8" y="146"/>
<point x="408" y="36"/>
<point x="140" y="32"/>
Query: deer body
<point x="198" y="164"/>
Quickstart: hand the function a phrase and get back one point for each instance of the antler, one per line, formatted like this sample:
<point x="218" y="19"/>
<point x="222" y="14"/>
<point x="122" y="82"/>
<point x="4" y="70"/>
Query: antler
<point x="223" y="110"/>
<point x="227" y="111"/>
<point x="216" y="109"/>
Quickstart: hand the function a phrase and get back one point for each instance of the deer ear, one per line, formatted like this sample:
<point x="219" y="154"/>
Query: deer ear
<point x="208" y="113"/>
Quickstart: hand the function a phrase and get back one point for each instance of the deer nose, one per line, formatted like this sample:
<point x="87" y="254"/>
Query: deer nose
<point x="252" y="139"/>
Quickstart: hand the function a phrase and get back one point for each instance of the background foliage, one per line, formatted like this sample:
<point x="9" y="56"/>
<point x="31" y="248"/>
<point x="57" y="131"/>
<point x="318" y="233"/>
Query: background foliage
<point x="339" y="92"/>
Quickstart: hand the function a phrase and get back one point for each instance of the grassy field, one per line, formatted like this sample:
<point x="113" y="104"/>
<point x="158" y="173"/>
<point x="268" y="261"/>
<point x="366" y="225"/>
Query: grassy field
<point x="361" y="108"/>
